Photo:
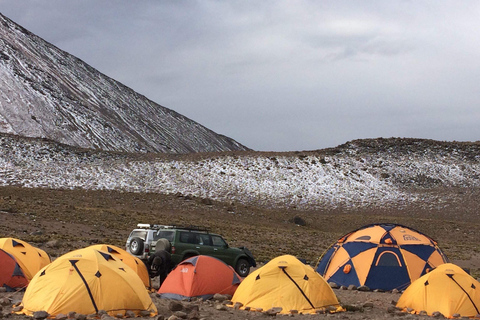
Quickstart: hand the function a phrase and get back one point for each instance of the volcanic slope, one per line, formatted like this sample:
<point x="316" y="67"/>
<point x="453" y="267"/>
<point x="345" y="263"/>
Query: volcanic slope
<point x="48" y="93"/>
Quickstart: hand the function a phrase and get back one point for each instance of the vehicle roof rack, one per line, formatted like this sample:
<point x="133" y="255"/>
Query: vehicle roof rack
<point x="161" y="226"/>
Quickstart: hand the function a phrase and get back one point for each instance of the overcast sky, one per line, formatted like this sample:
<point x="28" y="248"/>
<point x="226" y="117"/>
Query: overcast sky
<point x="284" y="75"/>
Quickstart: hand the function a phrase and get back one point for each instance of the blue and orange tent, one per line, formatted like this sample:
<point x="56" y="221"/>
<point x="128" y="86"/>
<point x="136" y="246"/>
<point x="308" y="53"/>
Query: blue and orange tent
<point x="380" y="256"/>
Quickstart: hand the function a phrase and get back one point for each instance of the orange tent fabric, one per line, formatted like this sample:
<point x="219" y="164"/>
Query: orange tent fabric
<point x="201" y="277"/>
<point x="11" y="275"/>
<point x="29" y="258"/>
<point x="86" y="281"/>
<point x="383" y="256"/>
<point x="133" y="262"/>
<point x="448" y="289"/>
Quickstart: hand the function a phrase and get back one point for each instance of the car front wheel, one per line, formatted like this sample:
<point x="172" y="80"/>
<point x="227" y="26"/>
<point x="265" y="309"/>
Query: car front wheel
<point x="242" y="267"/>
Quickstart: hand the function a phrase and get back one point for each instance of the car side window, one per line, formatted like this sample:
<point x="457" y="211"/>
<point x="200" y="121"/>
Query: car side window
<point x="218" y="241"/>
<point x="164" y="234"/>
<point x="205" y="240"/>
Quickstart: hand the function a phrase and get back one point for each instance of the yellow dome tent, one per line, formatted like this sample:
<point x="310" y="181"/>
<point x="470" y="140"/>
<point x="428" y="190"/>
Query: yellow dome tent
<point x="86" y="281"/>
<point x="285" y="282"/>
<point x="29" y="258"/>
<point x="447" y="289"/>
<point x="133" y="262"/>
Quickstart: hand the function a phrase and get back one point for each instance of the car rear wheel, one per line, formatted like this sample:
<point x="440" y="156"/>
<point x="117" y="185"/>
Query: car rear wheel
<point x="242" y="267"/>
<point x="136" y="246"/>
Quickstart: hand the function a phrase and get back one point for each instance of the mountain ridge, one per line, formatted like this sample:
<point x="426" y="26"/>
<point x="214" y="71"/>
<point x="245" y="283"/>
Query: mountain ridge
<point x="379" y="173"/>
<point x="48" y="93"/>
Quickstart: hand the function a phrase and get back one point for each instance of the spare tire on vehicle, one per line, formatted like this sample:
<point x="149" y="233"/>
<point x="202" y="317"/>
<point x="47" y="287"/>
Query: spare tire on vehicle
<point x="136" y="246"/>
<point x="163" y="244"/>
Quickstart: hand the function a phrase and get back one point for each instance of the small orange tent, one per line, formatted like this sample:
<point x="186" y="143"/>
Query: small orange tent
<point x="287" y="283"/>
<point x="201" y="277"/>
<point x="11" y="275"/>
<point x="29" y="258"/>
<point x="447" y="289"/>
<point x="86" y="281"/>
<point x="133" y="262"/>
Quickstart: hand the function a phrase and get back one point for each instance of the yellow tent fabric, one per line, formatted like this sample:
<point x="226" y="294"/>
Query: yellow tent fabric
<point x="447" y="289"/>
<point x="86" y="281"/>
<point x="133" y="262"/>
<point x="29" y="258"/>
<point x="287" y="283"/>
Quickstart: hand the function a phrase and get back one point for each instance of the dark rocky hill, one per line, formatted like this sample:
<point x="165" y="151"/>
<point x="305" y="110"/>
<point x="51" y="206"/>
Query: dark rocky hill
<point x="48" y="93"/>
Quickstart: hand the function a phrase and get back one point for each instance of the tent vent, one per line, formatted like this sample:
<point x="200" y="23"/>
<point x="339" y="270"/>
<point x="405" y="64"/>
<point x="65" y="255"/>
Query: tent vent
<point x="122" y="269"/>
<point x="473" y="286"/>
<point x="305" y="278"/>
<point x="43" y="273"/>
<point x="98" y="274"/>
<point x="258" y="277"/>
<point x="426" y="283"/>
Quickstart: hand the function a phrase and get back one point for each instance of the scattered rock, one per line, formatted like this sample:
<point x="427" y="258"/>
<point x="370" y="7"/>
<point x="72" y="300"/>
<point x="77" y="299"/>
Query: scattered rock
<point x="368" y="305"/>
<point x="40" y="315"/>
<point x="17" y="308"/>
<point x="333" y="285"/>
<point x="221" y="307"/>
<point x="395" y="291"/>
<point x="61" y="316"/>
<point x="175" y="306"/>
<point x="437" y="314"/>
<point x="352" y="287"/>
<point x="145" y="313"/>
<point x="3" y="289"/>
<point x="80" y="316"/>
<point x="423" y="313"/>
<point x="180" y="314"/>
<point x="456" y="315"/>
<point x="352" y="308"/>
<point x="363" y="288"/>
<point x="219" y="297"/>
<point x="130" y="314"/>
<point x="71" y="314"/>
<point x="343" y="288"/>
<point x="273" y="311"/>
<point x="237" y="305"/>
<point x="52" y="244"/>
<point x="299" y="221"/>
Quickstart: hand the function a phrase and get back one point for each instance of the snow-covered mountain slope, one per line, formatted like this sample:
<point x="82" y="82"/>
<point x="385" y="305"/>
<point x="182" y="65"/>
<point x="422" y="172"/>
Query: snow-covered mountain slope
<point x="48" y="93"/>
<point x="362" y="173"/>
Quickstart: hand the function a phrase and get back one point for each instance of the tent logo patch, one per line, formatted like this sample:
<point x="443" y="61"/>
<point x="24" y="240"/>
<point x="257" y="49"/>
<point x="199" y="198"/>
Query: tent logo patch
<point x="408" y="237"/>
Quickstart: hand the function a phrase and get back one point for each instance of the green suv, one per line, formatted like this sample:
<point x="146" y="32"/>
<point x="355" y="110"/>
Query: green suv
<point x="185" y="242"/>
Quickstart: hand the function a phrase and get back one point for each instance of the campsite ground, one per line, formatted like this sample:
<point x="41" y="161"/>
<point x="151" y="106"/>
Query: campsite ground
<point x="59" y="221"/>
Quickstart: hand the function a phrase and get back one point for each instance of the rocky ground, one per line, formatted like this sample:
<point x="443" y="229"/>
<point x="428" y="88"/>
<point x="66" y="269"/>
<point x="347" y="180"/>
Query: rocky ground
<point x="59" y="221"/>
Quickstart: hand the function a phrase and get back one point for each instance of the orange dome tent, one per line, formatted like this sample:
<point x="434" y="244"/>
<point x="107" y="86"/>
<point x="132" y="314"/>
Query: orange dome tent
<point x="201" y="277"/>
<point x="133" y="262"/>
<point x="287" y="283"/>
<point x="29" y="258"/>
<point x="447" y="289"/>
<point x="11" y="275"/>
<point x="380" y="256"/>
<point x="86" y="281"/>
